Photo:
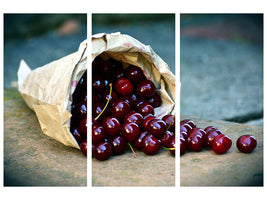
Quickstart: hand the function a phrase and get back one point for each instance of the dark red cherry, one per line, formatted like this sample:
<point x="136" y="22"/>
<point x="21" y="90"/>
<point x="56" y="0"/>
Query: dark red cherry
<point x="83" y="126"/>
<point x="145" y="110"/>
<point x="186" y="127"/>
<point x="199" y="131"/>
<point x="97" y="109"/>
<point x="120" y="109"/>
<point x="118" y="145"/>
<point x="106" y="68"/>
<point x="221" y="144"/>
<point x="188" y="121"/>
<point x="211" y="134"/>
<point x="95" y="123"/>
<point x="169" y="119"/>
<point x="79" y="110"/>
<point x="111" y="126"/>
<point x="130" y="131"/>
<point x="157" y="128"/>
<point x="145" y="89"/>
<point x="195" y="141"/>
<point x="98" y="83"/>
<point x="103" y="151"/>
<point x="127" y="99"/>
<point x="112" y="98"/>
<point x="98" y="134"/>
<point x="209" y="128"/>
<point x="134" y="73"/>
<point x="150" y="145"/>
<point x="182" y="146"/>
<point x="166" y="139"/>
<point x="140" y="103"/>
<point x="78" y="136"/>
<point x="139" y="140"/>
<point x="147" y="120"/>
<point x="155" y="100"/>
<point x="123" y="86"/>
<point x="184" y="135"/>
<point x="83" y="147"/>
<point x="246" y="143"/>
<point x="134" y="117"/>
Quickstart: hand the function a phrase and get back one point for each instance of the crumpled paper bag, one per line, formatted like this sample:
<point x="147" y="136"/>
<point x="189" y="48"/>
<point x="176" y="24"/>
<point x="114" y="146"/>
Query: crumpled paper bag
<point x="48" y="91"/>
<point x="128" y="50"/>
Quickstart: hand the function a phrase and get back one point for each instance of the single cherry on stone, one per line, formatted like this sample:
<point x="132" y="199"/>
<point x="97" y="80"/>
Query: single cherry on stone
<point x="103" y="151"/>
<point x="221" y="144"/>
<point x="246" y="143"/>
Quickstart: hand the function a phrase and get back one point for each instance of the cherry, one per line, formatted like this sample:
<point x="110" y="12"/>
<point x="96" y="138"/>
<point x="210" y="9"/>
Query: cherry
<point x="166" y="139"/>
<point x="155" y="100"/>
<point x="112" y="98"/>
<point x="195" y="140"/>
<point x="118" y="145"/>
<point x="128" y="100"/>
<point x="246" y="143"/>
<point x="134" y="74"/>
<point x="123" y="86"/>
<point x="150" y="145"/>
<point x="83" y="147"/>
<point x="120" y="109"/>
<point x="83" y="126"/>
<point x="98" y="134"/>
<point x="79" y="110"/>
<point x="134" y="117"/>
<point x="186" y="127"/>
<point x="221" y="144"/>
<point x="78" y="136"/>
<point x="209" y="128"/>
<point x="145" y="89"/>
<point x="111" y="126"/>
<point x="145" y="110"/>
<point x="182" y="146"/>
<point x="169" y="119"/>
<point x="157" y="128"/>
<point x="98" y="83"/>
<point x="188" y="121"/>
<point x="210" y="136"/>
<point x="140" y="103"/>
<point x="139" y="140"/>
<point x="106" y="68"/>
<point x="146" y="121"/>
<point x="184" y="135"/>
<point x="97" y="109"/>
<point x="130" y="131"/>
<point x="103" y="151"/>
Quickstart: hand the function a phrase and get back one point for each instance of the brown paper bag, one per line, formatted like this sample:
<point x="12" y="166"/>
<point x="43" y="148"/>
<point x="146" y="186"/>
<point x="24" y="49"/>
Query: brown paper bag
<point x="48" y="91"/>
<point x="128" y="50"/>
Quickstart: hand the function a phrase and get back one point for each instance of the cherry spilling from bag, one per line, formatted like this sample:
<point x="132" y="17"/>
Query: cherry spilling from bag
<point x="123" y="102"/>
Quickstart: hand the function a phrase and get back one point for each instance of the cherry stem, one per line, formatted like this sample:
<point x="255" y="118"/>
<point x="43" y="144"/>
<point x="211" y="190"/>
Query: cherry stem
<point x="110" y="91"/>
<point x="173" y="148"/>
<point x="169" y="126"/>
<point x="135" y="155"/>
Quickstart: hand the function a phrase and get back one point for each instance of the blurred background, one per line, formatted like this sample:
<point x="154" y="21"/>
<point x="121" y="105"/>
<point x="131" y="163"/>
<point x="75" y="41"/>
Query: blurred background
<point x="221" y="67"/>
<point x="156" y="30"/>
<point x="39" y="39"/>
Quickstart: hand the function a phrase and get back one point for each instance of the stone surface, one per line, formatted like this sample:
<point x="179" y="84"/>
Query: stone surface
<point x="126" y="170"/>
<point x="233" y="168"/>
<point x="32" y="158"/>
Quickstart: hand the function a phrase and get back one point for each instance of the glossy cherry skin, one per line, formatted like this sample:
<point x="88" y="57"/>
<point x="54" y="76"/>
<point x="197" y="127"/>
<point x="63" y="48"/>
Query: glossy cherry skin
<point x="145" y="89"/>
<point x="166" y="139"/>
<point x="185" y="127"/>
<point x="79" y="110"/>
<point x="78" y="136"/>
<point x="182" y="146"/>
<point x="188" y="121"/>
<point x="111" y="125"/>
<point x="157" y="128"/>
<point x="221" y="144"/>
<point x="150" y="145"/>
<point x="209" y="128"/>
<point x="98" y="134"/>
<point x="212" y="133"/>
<point x="130" y="131"/>
<point x="155" y="100"/>
<point x="97" y="109"/>
<point x="145" y="110"/>
<point x="98" y="83"/>
<point x="246" y="143"/>
<point x="123" y="86"/>
<point x="83" y="126"/>
<point x="118" y="145"/>
<point x="169" y="119"/>
<point x="134" y="74"/>
<point x="112" y="98"/>
<point x="195" y="141"/>
<point x="120" y="109"/>
<point x="139" y="140"/>
<point x="146" y="121"/>
<point x="184" y="135"/>
<point x="134" y="117"/>
<point x="103" y="151"/>
<point x="83" y="147"/>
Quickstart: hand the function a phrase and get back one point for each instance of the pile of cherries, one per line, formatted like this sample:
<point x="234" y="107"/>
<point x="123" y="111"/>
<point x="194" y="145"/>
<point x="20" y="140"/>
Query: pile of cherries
<point x="195" y="139"/>
<point x="78" y="124"/>
<point x="123" y="102"/>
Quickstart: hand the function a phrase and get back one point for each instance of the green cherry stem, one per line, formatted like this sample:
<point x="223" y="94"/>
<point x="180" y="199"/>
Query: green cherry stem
<point x="135" y="155"/>
<point x="110" y="91"/>
<point x="167" y="148"/>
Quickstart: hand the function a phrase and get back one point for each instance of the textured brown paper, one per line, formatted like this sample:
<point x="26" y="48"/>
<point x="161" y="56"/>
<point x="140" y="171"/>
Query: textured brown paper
<point x="128" y="50"/>
<point x="48" y="91"/>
